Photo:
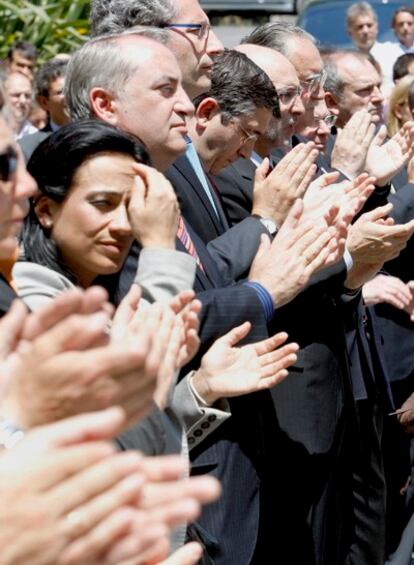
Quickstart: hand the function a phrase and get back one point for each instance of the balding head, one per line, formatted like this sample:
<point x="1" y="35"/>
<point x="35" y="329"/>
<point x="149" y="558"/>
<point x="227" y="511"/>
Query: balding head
<point x="283" y="75"/>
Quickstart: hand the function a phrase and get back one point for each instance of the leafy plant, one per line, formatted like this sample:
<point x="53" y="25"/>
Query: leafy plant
<point x="52" y="26"/>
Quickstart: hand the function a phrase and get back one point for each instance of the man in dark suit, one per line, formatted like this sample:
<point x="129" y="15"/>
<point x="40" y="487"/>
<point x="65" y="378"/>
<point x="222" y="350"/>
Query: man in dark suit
<point x="235" y="452"/>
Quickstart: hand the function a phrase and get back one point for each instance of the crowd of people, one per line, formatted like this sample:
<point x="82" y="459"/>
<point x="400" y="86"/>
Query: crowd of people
<point x="207" y="295"/>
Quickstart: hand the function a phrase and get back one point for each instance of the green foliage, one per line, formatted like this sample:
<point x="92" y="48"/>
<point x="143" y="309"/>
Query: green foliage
<point x="52" y="26"/>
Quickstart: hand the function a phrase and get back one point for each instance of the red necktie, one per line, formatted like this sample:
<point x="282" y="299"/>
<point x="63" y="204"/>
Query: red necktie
<point x="184" y="237"/>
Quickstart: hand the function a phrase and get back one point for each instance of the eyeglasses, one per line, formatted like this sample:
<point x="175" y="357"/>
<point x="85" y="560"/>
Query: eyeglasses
<point x="201" y="30"/>
<point x="247" y="136"/>
<point x="8" y="164"/>
<point x="289" y="95"/>
<point x="329" y="120"/>
<point x="312" y="84"/>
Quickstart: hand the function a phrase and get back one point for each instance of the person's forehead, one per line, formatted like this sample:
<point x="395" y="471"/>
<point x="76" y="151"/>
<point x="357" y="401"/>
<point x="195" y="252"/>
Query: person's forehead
<point x="355" y="70"/>
<point x="363" y="19"/>
<point x="282" y="75"/>
<point x="152" y="57"/>
<point x="18" y="81"/>
<point x="403" y="17"/>
<point x="305" y="57"/>
<point x="189" y="11"/>
<point x="18" y="56"/>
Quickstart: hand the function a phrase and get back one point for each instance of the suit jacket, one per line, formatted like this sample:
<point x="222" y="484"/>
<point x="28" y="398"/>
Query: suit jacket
<point x="233" y="452"/>
<point x="312" y="405"/>
<point x="29" y="143"/>
<point x="232" y="249"/>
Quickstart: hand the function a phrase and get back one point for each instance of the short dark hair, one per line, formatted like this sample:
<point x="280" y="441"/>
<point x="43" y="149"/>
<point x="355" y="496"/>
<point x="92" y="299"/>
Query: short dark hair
<point x="400" y="11"/>
<point x="54" y="164"/>
<point x="240" y="86"/>
<point x="48" y="72"/>
<point x="400" y="68"/>
<point x="27" y="49"/>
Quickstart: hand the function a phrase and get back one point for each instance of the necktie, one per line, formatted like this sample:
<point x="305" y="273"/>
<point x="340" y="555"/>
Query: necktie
<point x="184" y="237"/>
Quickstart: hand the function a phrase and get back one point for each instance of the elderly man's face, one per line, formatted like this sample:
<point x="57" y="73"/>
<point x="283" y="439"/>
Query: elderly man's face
<point x="19" y="93"/>
<point x="152" y="104"/>
<point x="194" y="47"/>
<point x="361" y="91"/>
<point x="306" y="59"/>
<point x="363" y="31"/>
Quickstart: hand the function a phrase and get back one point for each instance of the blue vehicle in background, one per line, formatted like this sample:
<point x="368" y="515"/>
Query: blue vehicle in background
<point x="326" y="20"/>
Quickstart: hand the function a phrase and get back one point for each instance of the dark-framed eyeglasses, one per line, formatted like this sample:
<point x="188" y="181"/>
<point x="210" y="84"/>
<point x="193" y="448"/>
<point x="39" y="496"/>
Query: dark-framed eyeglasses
<point x="289" y="95"/>
<point x="201" y="30"/>
<point x="312" y="84"/>
<point x="8" y="164"/>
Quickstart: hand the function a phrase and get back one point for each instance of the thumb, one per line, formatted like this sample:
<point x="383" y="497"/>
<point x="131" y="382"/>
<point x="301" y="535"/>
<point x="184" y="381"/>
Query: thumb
<point x="378" y="213"/>
<point x="380" y="137"/>
<point x="262" y="170"/>
<point x="328" y="178"/>
<point x="235" y="335"/>
<point x="188" y="554"/>
<point x="294" y="215"/>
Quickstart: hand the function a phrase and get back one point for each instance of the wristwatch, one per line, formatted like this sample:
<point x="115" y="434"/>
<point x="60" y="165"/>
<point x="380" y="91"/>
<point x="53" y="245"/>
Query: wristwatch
<point x="268" y="223"/>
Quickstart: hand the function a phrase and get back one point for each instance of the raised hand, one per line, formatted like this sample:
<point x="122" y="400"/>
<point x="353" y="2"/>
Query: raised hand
<point x="388" y="289"/>
<point x="227" y="370"/>
<point x="153" y="209"/>
<point x="384" y="160"/>
<point x="352" y="143"/>
<point x="374" y="238"/>
<point x="275" y="193"/>
<point x="299" y="250"/>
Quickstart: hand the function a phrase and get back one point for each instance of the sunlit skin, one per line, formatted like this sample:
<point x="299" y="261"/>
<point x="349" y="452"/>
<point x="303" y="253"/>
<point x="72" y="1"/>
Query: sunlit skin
<point x="404" y="28"/>
<point x="363" y="31"/>
<point x="14" y="195"/>
<point x="91" y="227"/>
<point x="284" y="78"/>
<point x="21" y="64"/>
<point x="361" y="91"/>
<point x="194" y="54"/>
<point x="19" y="94"/>
<point x="220" y="144"/>
<point x="156" y="84"/>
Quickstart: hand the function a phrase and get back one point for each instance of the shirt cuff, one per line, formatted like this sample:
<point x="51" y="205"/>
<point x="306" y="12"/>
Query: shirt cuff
<point x="265" y="299"/>
<point x="348" y="260"/>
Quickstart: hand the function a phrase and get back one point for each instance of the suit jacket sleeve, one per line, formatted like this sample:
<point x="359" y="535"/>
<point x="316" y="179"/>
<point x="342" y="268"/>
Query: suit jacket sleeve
<point x="163" y="273"/>
<point x="235" y="250"/>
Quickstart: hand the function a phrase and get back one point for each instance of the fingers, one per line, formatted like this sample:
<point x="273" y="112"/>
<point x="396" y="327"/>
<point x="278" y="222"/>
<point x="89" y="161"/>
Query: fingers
<point x="204" y="489"/>
<point x="274" y="357"/>
<point x="270" y="344"/>
<point x="141" y="539"/>
<point x="125" y="312"/>
<point x="189" y="554"/>
<point x="94" y="492"/>
<point x="78" y="429"/>
<point x="262" y="171"/>
<point x="46" y="317"/>
<point x="11" y="328"/>
<point x="293" y="217"/>
<point x="164" y="468"/>
<point x="380" y="136"/>
<point x="235" y="335"/>
<point x="378" y="213"/>
<point x="180" y="301"/>
<point x="89" y="548"/>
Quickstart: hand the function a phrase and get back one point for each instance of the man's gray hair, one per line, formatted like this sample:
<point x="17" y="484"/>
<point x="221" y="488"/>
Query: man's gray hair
<point x="334" y="83"/>
<point x="277" y="36"/>
<point x="359" y="9"/>
<point x="114" y="16"/>
<point x="102" y="63"/>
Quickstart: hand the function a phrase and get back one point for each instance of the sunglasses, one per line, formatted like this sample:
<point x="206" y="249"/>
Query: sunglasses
<point x="8" y="164"/>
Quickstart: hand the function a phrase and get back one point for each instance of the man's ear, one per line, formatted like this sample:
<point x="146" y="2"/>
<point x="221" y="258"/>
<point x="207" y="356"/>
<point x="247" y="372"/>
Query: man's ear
<point x="205" y="111"/>
<point x="103" y="105"/>
<point x="43" y="102"/>
<point x="331" y="103"/>
<point x="45" y="209"/>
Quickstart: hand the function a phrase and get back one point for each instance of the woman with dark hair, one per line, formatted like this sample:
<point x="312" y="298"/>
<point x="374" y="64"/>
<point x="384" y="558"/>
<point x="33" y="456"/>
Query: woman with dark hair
<point x="96" y="195"/>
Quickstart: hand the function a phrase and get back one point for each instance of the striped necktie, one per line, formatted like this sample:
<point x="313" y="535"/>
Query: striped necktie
<point x="184" y="237"/>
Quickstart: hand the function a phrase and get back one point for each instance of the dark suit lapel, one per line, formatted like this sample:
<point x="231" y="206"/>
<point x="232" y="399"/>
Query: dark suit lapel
<point x="245" y="168"/>
<point x="183" y="166"/>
